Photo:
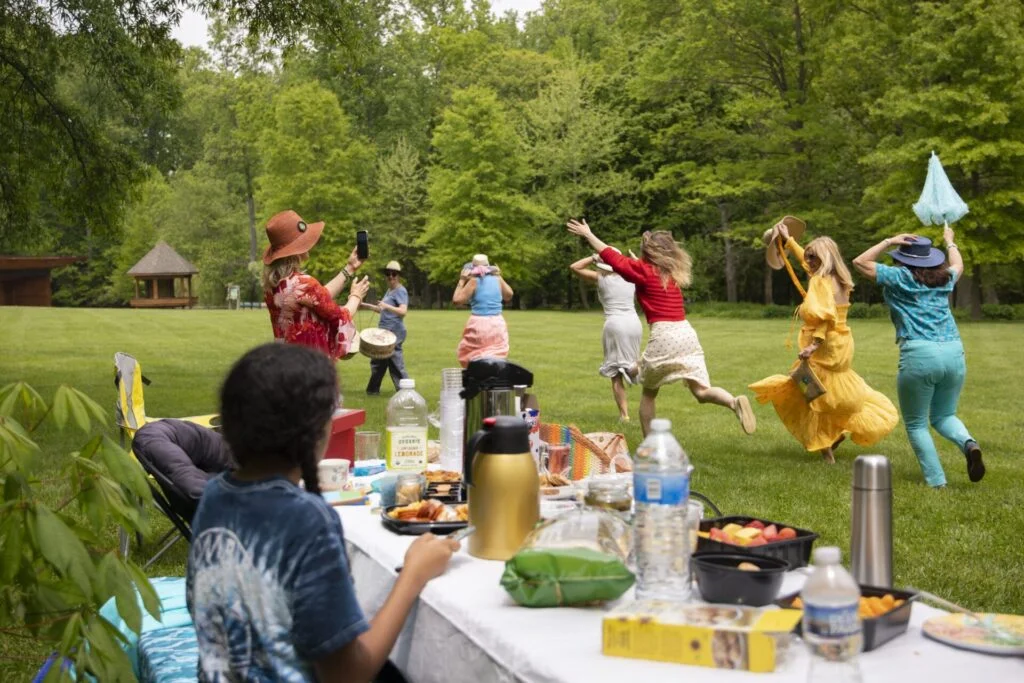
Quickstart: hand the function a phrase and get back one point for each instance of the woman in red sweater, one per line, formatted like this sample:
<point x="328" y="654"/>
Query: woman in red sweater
<point x="673" y="352"/>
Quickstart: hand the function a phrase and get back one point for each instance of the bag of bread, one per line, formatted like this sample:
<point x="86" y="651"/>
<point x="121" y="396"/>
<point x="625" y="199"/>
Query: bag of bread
<point x="577" y="558"/>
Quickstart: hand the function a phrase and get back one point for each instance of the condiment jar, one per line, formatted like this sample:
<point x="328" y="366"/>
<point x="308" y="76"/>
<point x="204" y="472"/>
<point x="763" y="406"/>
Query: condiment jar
<point x="410" y="488"/>
<point x="609" y="494"/>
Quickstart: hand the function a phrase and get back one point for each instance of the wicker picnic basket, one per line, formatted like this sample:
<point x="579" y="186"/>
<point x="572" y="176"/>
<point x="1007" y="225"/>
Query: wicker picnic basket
<point x="589" y="453"/>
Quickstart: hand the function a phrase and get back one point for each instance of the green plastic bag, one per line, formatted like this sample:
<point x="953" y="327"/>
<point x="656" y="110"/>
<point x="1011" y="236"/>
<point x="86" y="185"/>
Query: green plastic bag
<point x="578" y="558"/>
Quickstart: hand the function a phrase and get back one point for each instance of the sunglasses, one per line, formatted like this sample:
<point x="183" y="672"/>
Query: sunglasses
<point x="391" y="273"/>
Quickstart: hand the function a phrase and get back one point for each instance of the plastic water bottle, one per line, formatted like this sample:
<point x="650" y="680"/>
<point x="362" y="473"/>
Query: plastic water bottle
<point x="406" y="440"/>
<point x="661" y="489"/>
<point x="832" y="627"/>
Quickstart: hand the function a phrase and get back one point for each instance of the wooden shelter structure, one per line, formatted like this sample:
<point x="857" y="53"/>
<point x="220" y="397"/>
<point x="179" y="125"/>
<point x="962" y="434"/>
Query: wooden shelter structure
<point x="156" y="275"/>
<point x="25" y="280"/>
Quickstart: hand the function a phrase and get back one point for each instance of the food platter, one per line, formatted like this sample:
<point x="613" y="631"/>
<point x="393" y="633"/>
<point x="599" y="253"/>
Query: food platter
<point x="455" y="517"/>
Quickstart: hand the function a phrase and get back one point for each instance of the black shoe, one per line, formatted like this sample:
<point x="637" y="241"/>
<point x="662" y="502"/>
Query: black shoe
<point x="372" y="393"/>
<point x="975" y="467"/>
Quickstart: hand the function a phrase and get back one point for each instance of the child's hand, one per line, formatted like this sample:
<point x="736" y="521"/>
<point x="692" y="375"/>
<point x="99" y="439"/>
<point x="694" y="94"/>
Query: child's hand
<point x="428" y="556"/>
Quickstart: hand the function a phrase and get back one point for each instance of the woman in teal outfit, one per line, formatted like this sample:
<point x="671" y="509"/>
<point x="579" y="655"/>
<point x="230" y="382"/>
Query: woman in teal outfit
<point x="932" y="367"/>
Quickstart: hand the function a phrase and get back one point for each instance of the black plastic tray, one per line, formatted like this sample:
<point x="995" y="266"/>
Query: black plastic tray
<point x="877" y="631"/>
<point x="417" y="528"/>
<point x="796" y="551"/>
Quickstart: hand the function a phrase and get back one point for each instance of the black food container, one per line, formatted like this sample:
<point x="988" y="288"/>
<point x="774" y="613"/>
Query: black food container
<point x="720" y="581"/>
<point x="879" y="630"/>
<point x="795" y="551"/>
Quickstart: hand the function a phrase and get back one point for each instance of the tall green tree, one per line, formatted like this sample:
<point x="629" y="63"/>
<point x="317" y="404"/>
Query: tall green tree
<point x="399" y="210"/>
<point x="315" y="164"/>
<point x="953" y="86"/>
<point x="475" y="189"/>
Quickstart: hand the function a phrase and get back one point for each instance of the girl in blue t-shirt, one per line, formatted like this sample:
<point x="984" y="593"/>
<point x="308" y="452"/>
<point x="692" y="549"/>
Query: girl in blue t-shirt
<point x="268" y="581"/>
<point x="932" y="368"/>
<point x="482" y="287"/>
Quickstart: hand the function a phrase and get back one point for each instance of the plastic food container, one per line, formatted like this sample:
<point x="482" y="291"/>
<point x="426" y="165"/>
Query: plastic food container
<point x="721" y="581"/>
<point x="796" y="551"/>
<point x="879" y="630"/>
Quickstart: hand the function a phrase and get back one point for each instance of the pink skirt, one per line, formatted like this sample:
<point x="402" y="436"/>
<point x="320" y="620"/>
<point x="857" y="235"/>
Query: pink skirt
<point x="485" y="336"/>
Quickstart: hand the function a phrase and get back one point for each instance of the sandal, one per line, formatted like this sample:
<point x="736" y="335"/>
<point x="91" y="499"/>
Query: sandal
<point x="746" y="414"/>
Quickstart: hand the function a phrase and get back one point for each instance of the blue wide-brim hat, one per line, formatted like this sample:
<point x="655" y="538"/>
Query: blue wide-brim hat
<point x="920" y="253"/>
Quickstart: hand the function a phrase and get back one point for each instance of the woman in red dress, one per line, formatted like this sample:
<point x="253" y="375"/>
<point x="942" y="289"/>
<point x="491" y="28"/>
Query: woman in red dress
<point x="303" y="311"/>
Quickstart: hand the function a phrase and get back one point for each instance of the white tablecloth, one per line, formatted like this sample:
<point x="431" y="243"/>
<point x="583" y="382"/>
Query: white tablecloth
<point x="466" y="628"/>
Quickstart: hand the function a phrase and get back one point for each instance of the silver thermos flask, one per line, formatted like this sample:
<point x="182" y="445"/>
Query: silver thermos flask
<point x="871" y="513"/>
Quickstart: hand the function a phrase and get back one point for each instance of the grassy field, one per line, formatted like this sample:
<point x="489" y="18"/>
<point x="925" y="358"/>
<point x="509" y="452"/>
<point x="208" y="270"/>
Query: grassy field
<point x="960" y="542"/>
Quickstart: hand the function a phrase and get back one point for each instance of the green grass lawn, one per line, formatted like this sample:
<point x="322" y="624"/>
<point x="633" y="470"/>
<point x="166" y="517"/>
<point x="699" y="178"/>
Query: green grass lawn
<point x="960" y="542"/>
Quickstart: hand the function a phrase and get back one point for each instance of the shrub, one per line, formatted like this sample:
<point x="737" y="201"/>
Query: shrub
<point x="56" y="571"/>
<point x="997" y="312"/>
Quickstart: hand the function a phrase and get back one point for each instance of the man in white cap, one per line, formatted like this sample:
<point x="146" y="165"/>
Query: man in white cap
<point x="392" y="309"/>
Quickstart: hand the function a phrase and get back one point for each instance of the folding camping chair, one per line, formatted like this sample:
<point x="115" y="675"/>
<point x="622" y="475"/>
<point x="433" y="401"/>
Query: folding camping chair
<point x="130" y="416"/>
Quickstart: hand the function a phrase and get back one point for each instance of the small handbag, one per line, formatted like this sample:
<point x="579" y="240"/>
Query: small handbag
<point x="808" y="383"/>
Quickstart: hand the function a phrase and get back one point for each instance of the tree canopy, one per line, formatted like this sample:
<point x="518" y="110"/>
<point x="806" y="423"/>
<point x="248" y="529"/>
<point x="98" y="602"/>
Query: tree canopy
<point x="446" y="131"/>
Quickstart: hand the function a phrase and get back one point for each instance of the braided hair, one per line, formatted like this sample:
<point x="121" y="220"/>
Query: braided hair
<point x="275" y="405"/>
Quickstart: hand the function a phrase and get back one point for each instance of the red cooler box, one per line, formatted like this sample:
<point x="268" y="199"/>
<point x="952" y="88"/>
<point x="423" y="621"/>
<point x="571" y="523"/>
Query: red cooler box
<point x="343" y="434"/>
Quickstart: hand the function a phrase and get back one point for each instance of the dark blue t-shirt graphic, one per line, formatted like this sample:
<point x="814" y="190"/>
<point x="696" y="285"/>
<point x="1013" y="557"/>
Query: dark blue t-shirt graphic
<point x="268" y="582"/>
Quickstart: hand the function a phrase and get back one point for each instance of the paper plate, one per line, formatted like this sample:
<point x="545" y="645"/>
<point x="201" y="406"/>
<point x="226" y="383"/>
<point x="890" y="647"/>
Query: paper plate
<point x="960" y="630"/>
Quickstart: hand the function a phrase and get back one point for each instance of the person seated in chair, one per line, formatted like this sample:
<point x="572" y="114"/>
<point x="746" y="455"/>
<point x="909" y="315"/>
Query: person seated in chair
<point x="183" y="453"/>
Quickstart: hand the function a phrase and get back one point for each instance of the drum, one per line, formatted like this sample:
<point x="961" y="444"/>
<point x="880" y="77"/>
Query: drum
<point x="377" y="343"/>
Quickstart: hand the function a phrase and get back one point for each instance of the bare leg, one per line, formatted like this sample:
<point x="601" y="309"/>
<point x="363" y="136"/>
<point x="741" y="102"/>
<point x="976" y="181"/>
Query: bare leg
<point x="719" y="396"/>
<point x="716" y="395"/>
<point x="619" y="392"/>
<point x="647" y="409"/>
<point x="828" y="456"/>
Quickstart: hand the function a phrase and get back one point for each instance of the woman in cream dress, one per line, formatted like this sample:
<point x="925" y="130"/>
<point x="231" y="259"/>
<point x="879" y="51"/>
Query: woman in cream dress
<point x="622" y="330"/>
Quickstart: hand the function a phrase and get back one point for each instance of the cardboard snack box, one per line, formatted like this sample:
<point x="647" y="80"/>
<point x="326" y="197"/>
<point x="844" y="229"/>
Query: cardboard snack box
<point x="719" y="636"/>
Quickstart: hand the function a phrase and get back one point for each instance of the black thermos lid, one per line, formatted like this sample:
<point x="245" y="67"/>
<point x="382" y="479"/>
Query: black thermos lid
<point x="506" y="434"/>
<point x="485" y="374"/>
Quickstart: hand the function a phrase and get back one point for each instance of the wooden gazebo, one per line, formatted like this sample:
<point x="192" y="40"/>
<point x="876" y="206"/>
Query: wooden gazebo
<point x="156" y="275"/>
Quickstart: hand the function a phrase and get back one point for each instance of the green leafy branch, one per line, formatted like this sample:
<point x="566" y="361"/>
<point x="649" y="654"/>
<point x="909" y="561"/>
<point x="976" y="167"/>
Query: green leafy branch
<point x="56" y="568"/>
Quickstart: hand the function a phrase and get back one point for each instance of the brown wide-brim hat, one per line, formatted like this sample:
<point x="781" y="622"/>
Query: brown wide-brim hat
<point x="289" y="235"/>
<point x="771" y="253"/>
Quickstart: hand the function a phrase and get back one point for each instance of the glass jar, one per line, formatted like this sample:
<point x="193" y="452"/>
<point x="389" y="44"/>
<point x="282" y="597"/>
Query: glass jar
<point x="609" y="494"/>
<point x="409" y="488"/>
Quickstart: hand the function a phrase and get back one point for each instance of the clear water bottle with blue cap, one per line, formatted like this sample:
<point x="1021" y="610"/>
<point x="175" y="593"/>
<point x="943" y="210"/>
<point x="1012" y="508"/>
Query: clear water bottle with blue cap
<point x="661" y="490"/>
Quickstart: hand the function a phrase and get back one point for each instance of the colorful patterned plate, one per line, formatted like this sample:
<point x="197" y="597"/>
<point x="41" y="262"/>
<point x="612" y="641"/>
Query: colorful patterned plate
<point x="962" y="631"/>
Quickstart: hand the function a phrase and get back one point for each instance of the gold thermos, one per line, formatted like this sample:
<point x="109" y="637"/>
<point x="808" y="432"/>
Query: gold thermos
<point x="503" y="487"/>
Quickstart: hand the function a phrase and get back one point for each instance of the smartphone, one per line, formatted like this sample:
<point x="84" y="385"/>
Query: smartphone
<point x="362" y="245"/>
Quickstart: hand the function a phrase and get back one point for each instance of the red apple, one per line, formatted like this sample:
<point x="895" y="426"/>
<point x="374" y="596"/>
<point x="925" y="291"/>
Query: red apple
<point x="770" y="533"/>
<point x="756" y="524"/>
<point x="786" y="534"/>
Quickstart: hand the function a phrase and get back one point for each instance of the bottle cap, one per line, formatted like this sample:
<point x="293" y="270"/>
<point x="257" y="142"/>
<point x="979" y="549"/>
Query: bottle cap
<point x="661" y="425"/>
<point x="406" y="384"/>
<point x="872" y="473"/>
<point x="828" y="554"/>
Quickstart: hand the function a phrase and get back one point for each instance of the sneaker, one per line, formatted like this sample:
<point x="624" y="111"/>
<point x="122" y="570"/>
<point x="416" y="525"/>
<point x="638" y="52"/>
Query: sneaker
<point x="938" y="487"/>
<point x="373" y="393"/>
<point x="746" y="414"/>
<point x="975" y="467"/>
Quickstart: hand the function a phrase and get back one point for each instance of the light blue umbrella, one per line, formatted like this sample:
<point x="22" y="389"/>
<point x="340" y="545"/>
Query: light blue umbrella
<point x="939" y="203"/>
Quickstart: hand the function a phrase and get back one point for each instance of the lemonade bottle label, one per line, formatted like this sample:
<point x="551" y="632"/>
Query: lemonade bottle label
<point x="406" y="448"/>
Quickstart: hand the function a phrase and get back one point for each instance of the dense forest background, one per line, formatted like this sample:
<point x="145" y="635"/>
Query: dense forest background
<point x="445" y="130"/>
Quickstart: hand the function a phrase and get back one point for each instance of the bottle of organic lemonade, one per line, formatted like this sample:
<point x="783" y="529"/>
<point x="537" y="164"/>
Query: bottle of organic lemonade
<point x="406" y="441"/>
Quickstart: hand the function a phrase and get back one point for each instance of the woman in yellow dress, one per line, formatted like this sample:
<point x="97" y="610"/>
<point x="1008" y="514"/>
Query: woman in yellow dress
<point x="849" y="405"/>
